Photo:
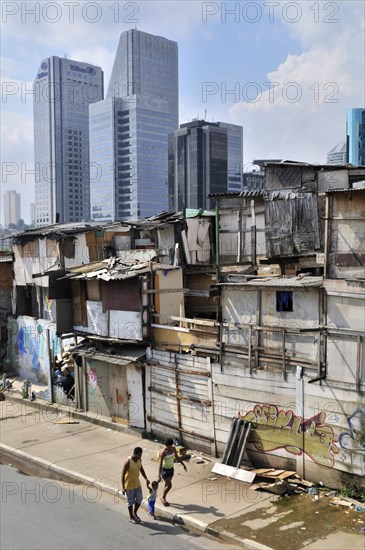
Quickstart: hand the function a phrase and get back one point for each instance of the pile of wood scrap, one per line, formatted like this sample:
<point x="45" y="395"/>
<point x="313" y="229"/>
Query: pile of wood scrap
<point x="280" y="482"/>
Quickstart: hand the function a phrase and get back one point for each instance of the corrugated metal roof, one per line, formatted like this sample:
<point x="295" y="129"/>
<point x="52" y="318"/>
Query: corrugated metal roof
<point x="115" y="269"/>
<point x="118" y="356"/>
<point x="317" y="167"/>
<point x="353" y="189"/>
<point x="253" y="193"/>
<point x="56" y="231"/>
<point x="278" y="282"/>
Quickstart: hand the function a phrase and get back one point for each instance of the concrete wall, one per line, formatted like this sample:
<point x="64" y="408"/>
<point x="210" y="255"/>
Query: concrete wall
<point x="243" y="306"/>
<point x="316" y="429"/>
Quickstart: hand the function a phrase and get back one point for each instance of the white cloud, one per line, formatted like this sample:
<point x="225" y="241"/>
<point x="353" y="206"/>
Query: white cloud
<point x="304" y="114"/>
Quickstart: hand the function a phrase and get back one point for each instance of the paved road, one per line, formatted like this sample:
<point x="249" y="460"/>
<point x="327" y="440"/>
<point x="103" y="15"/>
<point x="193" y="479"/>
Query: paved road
<point x="43" y="513"/>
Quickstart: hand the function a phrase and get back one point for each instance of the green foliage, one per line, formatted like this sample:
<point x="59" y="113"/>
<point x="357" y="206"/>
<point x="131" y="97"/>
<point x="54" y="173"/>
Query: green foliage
<point x="353" y="490"/>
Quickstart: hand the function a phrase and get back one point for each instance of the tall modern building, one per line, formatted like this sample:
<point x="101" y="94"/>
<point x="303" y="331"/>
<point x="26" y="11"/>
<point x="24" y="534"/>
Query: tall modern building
<point x="337" y="155"/>
<point x="204" y="158"/>
<point x="63" y="90"/>
<point x="356" y="136"/>
<point x="234" y="156"/>
<point x="11" y="207"/>
<point x="129" y="129"/>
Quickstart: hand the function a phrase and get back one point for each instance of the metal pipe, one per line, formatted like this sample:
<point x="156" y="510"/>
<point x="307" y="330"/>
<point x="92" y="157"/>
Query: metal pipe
<point x="358" y="363"/>
<point x="231" y="450"/>
<point x="247" y="432"/>
<point x="229" y="441"/>
<point x="50" y="358"/>
<point x="326" y="236"/>
<point x="284" y="359"/>
<point x="253" y="234"/>
<point x="237" y="453"/>
<point x="178" y="405"/>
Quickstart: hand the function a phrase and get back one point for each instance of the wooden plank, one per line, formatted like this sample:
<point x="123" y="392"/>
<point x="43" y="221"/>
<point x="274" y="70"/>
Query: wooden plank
<point x="234" y="473"/>
<point x="261" y="471"/>
<point x="286" y="474"/>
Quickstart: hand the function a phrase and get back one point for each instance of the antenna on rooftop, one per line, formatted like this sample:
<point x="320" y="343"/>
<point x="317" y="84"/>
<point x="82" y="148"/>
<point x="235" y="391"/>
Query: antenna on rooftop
<point x="205" y="114"/>
<point x="65" y="55"/>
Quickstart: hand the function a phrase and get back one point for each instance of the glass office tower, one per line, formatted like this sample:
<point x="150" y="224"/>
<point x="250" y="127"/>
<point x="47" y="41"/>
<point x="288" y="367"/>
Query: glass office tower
<point x="63" y="90"/>
<point x="140" y="110"/>
<point x="356" y="136"/>
<point x="235" y="156"/>
<point x="204" y="158"/>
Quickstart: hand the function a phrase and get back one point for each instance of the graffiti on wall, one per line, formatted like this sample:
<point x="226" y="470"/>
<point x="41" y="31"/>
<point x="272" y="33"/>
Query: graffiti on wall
<point x="28" y="344"/>
<point x="29" y="349"/>
<point x="354" y="438"/>
<point x="275" y="428"/>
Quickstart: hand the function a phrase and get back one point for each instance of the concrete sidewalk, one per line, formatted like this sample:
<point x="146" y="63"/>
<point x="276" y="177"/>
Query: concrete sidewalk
<point x="92" y="452"/>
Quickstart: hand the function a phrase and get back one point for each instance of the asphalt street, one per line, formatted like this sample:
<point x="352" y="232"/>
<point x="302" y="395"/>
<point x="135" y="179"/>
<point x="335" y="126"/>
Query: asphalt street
<point x="39" y="513"/>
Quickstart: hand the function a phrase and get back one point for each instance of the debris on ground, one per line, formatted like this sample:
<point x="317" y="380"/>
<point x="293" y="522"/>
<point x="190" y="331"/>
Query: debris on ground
<point x="279" y="487"/>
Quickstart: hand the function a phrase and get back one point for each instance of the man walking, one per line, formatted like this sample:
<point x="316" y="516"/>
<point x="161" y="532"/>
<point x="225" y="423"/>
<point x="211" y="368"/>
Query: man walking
<point x="131" y="485"/>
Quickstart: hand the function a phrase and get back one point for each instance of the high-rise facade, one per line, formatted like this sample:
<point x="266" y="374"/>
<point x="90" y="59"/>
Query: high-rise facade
<point x="338" y="154"/>
<point x="356" y="136"/>
<point x="204" y="158"/>
<point x="11" y="207"/>
<point x="234" y="156"/>
<point x="129" y="129"/>
<point x="63" y="90"/>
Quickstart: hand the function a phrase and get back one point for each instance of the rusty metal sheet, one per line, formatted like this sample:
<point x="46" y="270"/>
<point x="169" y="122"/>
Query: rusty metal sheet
<point x="283" y="177"/>
<point x="350" y="259"/>
<point x="334" y="179"/>
<point x="292" y="226"/>
<point x="124" y="295"/>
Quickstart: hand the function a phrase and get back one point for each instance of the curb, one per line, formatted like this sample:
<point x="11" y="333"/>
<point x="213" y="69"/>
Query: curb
<point x="179" y="519"/>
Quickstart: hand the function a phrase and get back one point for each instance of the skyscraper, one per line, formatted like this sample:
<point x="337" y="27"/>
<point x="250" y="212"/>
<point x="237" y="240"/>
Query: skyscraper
<point x="11" y="207"/>
<point x="129" y="129"/>
<point x="235" y="156"/>
<point x="63" y="90"/>
<point x="337" y="155"/>
<point x="356" y="136"/>
<point x="204" y="158"/>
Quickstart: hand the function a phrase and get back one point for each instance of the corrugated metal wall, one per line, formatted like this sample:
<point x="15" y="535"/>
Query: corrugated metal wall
<point x="179" y="398"/>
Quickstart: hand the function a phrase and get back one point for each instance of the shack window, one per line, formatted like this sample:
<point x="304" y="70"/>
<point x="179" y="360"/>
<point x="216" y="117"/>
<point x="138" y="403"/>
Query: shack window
<point x="284" y="301"/>
<point x="69" y="247"/>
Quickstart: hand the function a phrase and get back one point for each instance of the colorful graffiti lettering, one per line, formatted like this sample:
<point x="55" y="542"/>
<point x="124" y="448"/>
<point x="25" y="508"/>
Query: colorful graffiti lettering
<point x="354" y="439"/>
<point x="274" y="429"/>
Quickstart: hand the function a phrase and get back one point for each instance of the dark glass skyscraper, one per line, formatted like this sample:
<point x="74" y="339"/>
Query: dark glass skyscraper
<point x="129" y="129"/>
<point x="356" y="136"/>
<point x="204" y="158"/>
<point x="63" y="90"/>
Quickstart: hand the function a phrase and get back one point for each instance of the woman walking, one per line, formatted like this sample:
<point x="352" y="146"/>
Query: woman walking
<point x="166" y="467"/>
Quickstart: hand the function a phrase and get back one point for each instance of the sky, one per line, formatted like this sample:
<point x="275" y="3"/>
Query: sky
<point x="286" y="71"/>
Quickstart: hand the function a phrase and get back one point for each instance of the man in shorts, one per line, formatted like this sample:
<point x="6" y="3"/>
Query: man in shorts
<point x="131" y="485"/>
